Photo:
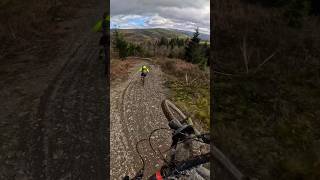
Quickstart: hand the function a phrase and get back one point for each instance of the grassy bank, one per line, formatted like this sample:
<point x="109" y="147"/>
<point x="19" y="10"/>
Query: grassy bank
<point x="269" y="127"/>
<point x="267" y="101"/>
<point x="120" y="69"/>
<point x="189" y="88"/>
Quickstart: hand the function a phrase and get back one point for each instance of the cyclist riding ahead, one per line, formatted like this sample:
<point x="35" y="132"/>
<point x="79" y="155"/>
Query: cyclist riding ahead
<point x="144" y="70"/>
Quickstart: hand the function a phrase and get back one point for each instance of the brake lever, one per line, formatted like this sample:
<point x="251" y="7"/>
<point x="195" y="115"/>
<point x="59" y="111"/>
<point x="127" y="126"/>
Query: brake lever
<point x="126" y="178"/>
<point x="138" y="176"/>
<point x="205" y="138"/>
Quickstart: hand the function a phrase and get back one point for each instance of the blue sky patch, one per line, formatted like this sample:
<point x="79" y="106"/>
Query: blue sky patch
<point x="128" y="22"/>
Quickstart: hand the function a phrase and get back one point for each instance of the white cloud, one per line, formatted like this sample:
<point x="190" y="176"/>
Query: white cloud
<point x="178" y="14"/>
<point x="158" y="21"/>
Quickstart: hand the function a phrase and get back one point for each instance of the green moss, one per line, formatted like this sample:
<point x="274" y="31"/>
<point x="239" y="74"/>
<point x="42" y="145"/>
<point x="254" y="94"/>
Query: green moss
<point x="275" y="118"/>
<point x="194" y="100"/>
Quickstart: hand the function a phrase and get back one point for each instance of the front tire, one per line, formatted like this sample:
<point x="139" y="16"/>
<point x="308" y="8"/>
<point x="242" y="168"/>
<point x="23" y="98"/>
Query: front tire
<point x="169" y="109"/>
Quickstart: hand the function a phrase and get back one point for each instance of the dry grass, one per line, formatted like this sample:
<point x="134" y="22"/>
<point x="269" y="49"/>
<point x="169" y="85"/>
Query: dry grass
<point x="265" y="115"/>
<point x="179" y="68"/>
<point x="190" y="88"/>
<point x="120" y="69"/>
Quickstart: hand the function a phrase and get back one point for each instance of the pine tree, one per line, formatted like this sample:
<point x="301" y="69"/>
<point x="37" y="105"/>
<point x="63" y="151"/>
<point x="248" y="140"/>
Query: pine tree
<point x="296" y="10"/>
<point x="120" y="44"/>
<point x="163" y="41"/>
<point x="206" y="51"/>
<point x="193" y="50"/>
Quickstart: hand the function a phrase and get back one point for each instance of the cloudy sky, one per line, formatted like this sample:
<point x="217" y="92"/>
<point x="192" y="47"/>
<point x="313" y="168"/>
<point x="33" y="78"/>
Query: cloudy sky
<point x="176" y="14"/>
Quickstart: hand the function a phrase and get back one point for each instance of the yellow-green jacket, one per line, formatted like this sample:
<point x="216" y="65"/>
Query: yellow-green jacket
<point x="144" y="70"/>
<point x="98" y="26"/>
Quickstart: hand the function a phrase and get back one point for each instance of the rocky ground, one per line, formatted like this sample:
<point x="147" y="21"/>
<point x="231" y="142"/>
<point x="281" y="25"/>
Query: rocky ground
<point x="135" y="113"/>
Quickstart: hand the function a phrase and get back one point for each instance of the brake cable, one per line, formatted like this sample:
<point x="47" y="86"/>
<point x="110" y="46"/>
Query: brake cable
<point x="158" y="148"/>
<point x="137" y="149"/>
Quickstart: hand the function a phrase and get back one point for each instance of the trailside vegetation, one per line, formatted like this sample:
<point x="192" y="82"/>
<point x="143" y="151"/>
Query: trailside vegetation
<point x="125" y="48"/>
<point x="192" y="50"/>
<point x="266" y="88"/>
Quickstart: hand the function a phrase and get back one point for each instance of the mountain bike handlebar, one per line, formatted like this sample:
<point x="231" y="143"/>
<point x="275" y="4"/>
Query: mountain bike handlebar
<point x="167" y="171"/>
<point x="175" y="168"/>
<point x="183" y="130"/>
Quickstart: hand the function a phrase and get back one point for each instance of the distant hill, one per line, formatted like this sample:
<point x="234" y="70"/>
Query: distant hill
<point x="204" y="37"/>
<point x="157" y="33"/>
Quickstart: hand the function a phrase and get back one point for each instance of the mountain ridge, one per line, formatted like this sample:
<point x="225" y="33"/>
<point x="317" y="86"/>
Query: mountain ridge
<point x="157" y="33"/>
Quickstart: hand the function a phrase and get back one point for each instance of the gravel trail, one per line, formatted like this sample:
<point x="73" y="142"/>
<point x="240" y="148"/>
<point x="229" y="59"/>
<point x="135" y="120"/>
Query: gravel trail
<point x="135" y="113"/>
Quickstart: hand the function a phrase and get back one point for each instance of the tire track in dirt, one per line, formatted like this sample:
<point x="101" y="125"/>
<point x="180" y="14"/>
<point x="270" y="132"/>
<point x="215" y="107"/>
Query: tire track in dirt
<point x="54" y="96"/>
<point x="70" y="113"/>
<point x="135" y="112"/>
<point x="42" y="155"/>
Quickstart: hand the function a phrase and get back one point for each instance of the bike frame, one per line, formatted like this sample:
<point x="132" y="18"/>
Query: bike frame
<point x="174" y="168"/>
<point x="183" y="130"/>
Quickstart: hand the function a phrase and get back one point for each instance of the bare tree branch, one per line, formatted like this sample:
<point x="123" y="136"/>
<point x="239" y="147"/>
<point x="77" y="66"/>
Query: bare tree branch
<point x="226" y="74"/>
<point x="266" y="60"/>
<point x="12" y="32"/>
<point x="245" y="53"/>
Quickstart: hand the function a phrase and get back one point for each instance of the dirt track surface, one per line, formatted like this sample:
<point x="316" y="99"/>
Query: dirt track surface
<point x="53" y="106"/>
<point x="135" y="113"/>
<point x="71" y="113"/>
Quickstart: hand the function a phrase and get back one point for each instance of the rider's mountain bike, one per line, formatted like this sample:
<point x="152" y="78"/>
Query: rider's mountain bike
<point x="142" y="79"/>
<point x="183" y="132"/>
<point x="144" y="71"/>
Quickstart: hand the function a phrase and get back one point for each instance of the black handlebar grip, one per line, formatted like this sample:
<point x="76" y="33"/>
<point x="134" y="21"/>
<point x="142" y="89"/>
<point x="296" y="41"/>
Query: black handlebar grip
<point x="174" y="124"/>
<point x="205" y="138"/>
<point x="153" y="177"/>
